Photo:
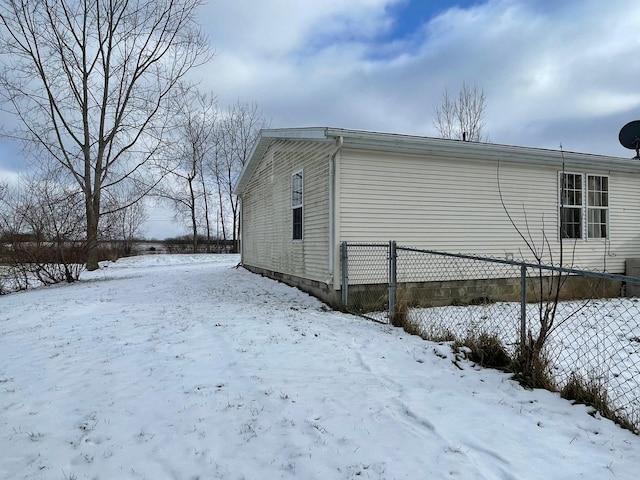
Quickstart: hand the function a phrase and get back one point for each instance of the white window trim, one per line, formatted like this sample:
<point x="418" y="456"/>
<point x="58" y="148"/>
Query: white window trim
<point x="588" y="207"/>
<point x="560" y="184"/>
<point x="584" y="207"/>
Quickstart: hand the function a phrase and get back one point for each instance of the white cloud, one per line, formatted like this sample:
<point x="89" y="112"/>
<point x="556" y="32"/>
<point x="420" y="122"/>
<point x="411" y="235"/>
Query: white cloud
<point x="281" y="27"/>
<point x="9" y="177"/>
<point x="317" y="63"/>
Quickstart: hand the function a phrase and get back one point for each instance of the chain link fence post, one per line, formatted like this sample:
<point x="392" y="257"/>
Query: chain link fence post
<point x="393" y="281"/>
<point x="344" y="258"/>
<point x="523" y="305"/>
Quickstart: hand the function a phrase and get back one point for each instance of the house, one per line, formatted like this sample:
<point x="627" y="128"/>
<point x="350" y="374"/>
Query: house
<point x="304" y="191"/>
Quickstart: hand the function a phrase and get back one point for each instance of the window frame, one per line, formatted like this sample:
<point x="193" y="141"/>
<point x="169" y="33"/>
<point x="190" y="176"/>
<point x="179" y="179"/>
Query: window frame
<point x="586" y="206"/>
<point x="297" y="206"/>
<point x="601" y="208"/>
<point x="574" y="206"/>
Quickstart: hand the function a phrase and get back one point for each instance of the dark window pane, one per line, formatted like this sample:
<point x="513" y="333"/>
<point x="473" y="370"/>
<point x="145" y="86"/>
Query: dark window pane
<point x="571" y="222"/>
<point x="297" y="223"/>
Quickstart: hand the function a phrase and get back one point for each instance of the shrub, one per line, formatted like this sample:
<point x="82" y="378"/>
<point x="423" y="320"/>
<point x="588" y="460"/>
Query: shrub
<point x="532" y="366"/>
<point x="438" y="333"/>
<point x="434" y="333"/>
<point x="593" y="393"/>
<point x="487" y="350"/>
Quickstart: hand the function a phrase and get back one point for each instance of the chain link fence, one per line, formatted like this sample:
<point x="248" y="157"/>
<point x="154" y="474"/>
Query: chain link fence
<point x="591" y="331"/>
<point x="365" y="279"/>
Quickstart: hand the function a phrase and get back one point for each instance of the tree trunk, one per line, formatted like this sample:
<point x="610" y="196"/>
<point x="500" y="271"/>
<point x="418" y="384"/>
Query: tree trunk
<point x="206" y="210"/>
<point x="235" y="231"/>
<point x="92" y="238"/>
<point x="221" y="217"/>
<point x="192" y="207"/>
<point x="207" y="223"/>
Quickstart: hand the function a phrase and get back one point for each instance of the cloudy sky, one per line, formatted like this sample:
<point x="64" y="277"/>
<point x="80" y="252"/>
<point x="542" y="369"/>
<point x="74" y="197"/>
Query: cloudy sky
<point x="554" y="72"/>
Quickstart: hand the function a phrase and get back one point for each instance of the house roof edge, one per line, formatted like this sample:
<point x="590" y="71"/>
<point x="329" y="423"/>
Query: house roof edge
<point x="412" y="144"/>
<point x="264" y="139"/>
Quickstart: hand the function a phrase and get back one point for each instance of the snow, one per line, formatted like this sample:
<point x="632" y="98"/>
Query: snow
<point x="184" y="367"/>
<point x="598" y="339"/>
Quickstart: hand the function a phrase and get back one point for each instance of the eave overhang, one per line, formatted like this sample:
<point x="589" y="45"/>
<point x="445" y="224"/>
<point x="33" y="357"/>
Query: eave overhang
<point x="435" y="147"/>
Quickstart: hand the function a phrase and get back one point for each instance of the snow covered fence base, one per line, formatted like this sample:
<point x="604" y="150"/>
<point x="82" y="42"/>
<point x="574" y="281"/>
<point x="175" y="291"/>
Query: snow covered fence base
<point x="591" y="328"/>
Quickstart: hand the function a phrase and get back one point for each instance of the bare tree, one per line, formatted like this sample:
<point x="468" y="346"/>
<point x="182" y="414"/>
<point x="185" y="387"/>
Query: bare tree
<point x="546" y="288"/>
<point x="461" y="117"/>
<point x="4" y="214"/>
<point x="204" y="185"/>
<point x="42" y="221"/>
<point x="237" y="132"/>
<point x="4" y="189"/>
<point x="192" y="143"/>
<point x="90" y="82"/>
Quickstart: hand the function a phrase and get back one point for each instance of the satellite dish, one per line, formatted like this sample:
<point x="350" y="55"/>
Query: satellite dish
<point x="629" y="137"/>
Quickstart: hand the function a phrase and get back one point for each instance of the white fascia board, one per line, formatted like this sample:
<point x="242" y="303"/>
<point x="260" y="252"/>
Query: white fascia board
<point x="305" y="133"/>
<point x="481" y="151"/>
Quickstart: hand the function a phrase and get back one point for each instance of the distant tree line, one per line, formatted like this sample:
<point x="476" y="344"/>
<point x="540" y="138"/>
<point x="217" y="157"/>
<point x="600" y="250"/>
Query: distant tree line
<point x="185" y="243"/>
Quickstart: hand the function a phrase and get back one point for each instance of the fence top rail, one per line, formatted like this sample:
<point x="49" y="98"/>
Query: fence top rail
<point x="381" y="245"/>
<point x="515" y="263"/>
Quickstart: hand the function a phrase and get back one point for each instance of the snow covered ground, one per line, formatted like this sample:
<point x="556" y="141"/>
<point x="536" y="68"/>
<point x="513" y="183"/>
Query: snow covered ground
<point x="183" y="367"/>
<point x="598" y="339"/>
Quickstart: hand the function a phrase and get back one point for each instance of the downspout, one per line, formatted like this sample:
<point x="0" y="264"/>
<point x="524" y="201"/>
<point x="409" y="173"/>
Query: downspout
<point x="240" y="230"/>
<point x="332" y="221"/>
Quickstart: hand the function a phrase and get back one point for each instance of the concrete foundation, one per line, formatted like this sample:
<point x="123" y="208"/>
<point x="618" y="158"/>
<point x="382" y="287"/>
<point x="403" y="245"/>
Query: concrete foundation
<point x="371" y="298"/>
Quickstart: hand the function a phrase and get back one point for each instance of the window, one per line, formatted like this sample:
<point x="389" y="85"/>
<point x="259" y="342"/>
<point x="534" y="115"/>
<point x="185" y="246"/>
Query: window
<point x="571" y="206"/>
<point x="297" y="204"/>
<point x="584" y="203"/>
<point x="597" y="206"/>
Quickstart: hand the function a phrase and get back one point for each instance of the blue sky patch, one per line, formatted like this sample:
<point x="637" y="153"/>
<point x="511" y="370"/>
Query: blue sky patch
<point x="411" y="15"/>
<point x="403" y="34"/>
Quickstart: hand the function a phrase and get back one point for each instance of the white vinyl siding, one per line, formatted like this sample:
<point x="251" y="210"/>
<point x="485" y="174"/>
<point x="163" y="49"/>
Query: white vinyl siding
<point x="454" y="205"/>
<point x="267" y="219"/>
